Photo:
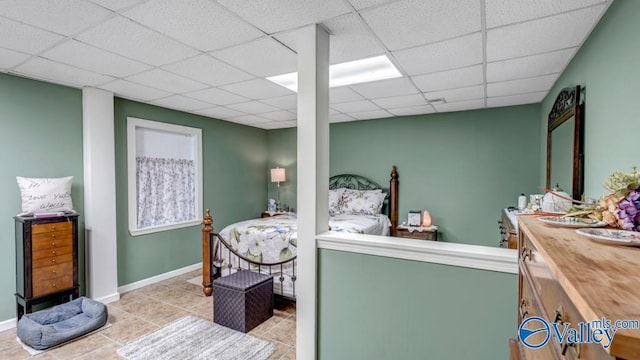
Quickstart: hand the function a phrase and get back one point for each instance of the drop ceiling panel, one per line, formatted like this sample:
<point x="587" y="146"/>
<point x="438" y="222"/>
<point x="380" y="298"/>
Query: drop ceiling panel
<point x="521" y="86"/>
<point x="340" y="118"/>
<point x="355" y="106"/>
<point x="249" y="119"/>
<point x="343" y="94"/>
<point x="257" y="89"/>
<point x="273" y="125"/>
<point x="252" y="107"/>
<point x="409" y="23"/>
<point x="456" y="95"/>
<point x="61" y="73"/>
<point x="503" y="12"/>
<point x="262" y="57"/>
<point x="542" y="35"/>
<point x="287" y="102"/>
<point x="122" y="36"/>
<point x="202" y="24"/>
<point x="181" y="102"/>
<point x="220" y="112"/>
<point x="445" y="55"/>
<point x="529" y="66"/>
<point x="10" y="58"/>
<point x="413" y="110"/>
<point x="25" y="38"/>
<point x="208" y="70"/>
<point x="97" y="60"/>
<point x="216" y="96"/>
<point x="451" y="79"/>
<point x="460" y="106"/>
<point x="166" y="81"/>
<point x="386" y="88"/>
<point x="367" y="115"/>
<point x="361" y="4"/>
<point x="280" y="115"/>
<point x="521" y="99"/>
<point x="400" y="101"/>
<point x="116" y="5"/>
<point x="277" y="15"/>
<point x="131" y="90"/>
<point x="63" y="17"/>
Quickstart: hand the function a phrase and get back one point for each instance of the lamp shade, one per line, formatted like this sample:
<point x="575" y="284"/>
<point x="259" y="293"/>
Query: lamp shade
<point x="277" y="175"/>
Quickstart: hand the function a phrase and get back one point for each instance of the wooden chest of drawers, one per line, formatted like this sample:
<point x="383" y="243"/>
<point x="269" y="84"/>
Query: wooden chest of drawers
<point x="569" y="280"/>
<point x="46" y="260"/>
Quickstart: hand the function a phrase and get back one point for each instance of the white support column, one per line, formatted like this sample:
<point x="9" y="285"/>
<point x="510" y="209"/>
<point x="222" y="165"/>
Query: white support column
<point x="313" y="176"/>
<point x="100" y="194"/>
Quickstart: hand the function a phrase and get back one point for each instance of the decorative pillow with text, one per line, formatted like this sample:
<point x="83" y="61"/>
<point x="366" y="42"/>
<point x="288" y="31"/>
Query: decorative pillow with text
<point x="43" y="195"/>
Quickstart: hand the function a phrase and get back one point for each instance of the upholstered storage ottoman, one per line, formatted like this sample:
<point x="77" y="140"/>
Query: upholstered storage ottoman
<point x="50" y="327"/>
<point x="242" y="300"/>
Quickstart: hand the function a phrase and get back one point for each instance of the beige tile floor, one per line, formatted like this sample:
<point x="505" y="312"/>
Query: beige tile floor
<point x="146" y="309"/>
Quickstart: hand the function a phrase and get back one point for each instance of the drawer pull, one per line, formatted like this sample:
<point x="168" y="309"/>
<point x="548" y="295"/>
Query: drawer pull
<point x="526" y="252"/>
<point x="523" y="308"/>
<point x="53" y="236"/>
<point x="53" y="228"/>
<point x="53" y="261"/>
<point x="53" y="244"/>
<point x="575" y="348"/>
<point x="557" y="314"/>
<point x="53" y="285"/>
<point x="53" y="271"/>
<point x="53" y="252"/>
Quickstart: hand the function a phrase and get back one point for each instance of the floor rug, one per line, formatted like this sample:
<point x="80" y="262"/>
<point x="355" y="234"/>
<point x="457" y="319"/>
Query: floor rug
<point x="195" y="338"/>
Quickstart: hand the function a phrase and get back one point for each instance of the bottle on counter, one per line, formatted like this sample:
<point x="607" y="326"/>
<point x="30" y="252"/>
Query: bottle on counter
<point x="522" y="202"/>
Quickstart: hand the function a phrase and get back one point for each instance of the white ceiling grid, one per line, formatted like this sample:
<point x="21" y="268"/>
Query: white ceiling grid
<point x="210" y="57"/>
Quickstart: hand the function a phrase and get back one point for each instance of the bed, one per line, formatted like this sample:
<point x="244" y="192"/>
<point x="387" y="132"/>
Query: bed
<point x="268" y="245"/>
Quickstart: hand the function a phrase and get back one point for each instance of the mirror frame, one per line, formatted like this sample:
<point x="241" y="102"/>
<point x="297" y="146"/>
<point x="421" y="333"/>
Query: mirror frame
<point x="568" y="104"/>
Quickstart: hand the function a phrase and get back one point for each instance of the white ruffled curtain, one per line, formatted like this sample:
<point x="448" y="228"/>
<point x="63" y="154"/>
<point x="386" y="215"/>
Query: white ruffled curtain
<point x="166" y="191"/>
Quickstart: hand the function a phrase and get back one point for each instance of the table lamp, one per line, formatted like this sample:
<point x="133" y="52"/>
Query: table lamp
<point x="278" y="176"/>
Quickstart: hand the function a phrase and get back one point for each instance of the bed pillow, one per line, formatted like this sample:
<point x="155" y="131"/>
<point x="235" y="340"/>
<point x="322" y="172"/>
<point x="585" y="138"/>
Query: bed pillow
<point x="362" y="202"/>
<point x="41" y="195"/>
<point x="335" y="201"/>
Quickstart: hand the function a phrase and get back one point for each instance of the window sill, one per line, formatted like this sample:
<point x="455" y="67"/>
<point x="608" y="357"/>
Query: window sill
<point x="150" y="230"/>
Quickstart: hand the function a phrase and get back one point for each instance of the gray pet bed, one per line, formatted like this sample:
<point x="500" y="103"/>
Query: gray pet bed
<point x="50" y="327"/>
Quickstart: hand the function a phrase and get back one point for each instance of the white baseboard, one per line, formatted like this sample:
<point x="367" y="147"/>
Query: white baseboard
<point x="109" y="298"/>
<point x="152" y="280"/>
<point x="8" y="324"/>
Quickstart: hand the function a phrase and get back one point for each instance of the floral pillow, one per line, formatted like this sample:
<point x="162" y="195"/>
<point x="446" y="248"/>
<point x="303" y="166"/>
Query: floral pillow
<point x="335" y="200"/>
<point x="362" y="202"/>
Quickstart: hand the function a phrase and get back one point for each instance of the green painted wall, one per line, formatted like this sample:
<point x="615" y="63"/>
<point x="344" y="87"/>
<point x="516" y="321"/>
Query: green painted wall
<point x="463" y="167"/>
<point x="282" y="150"/>
<point x="374" y="307"/>
<point x="234" y="173"/>
<point x="607" y="66"/>
<point x="40" y="136"/>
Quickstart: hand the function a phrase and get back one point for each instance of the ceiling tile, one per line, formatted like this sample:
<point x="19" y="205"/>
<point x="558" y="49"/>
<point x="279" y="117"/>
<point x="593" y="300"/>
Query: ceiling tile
<point x="63" y="17"/>
<point x="25" y="38"/>
<point x="445" y="55"/>
<point x="262" y="57"/>
<point x="530" y="98"/>
<point x="61" y="73"/>
<point x="460" y="106"/>
<point x="343" y="94"/>
<point x="456" y="95"/>
<point x="386" y="88"/>
<point x="116" y="5"/>
<point x="249" y="119"/>
<point x="413" y="110"/>
<point x="220" y="112"/>
<point x="350" y="40"/>
<point x="542" y="35"/>
<point x="216" y="96"/>
<point x="257" y="89"/>
<point x="127" y="89"/>
<point x="277" y="15"/>
<point x="252" y="107"/>
<point x="367" y="115"/>
<point x="202" y="24"/>
<point x="503" y="12"/>
<point x="400" y="101"/>
<point x="451" y="79"/>
<point x="287" y="102"/>
<point x="340" y="118"/>
<point x="409" y="23"/>
<point x="355" y="106"/>
<point x="361" y="4"/>
<point x="535" y="65"/>
<point x="123" y="36"/>
<point x="280" y="115"/>
<point x="9" y="58"/>
<point x="166" y="81"/>
<point x="521" y="86"/>
<point x="208" y="70"/>
<point x="97" y="60"/>
<point x="181" y="102"/>
<point x="273" y="125"/>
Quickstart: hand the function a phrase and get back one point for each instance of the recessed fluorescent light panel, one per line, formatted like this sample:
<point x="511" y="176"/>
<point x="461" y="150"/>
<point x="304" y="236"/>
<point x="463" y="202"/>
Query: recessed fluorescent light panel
<point x="348" y="73"/>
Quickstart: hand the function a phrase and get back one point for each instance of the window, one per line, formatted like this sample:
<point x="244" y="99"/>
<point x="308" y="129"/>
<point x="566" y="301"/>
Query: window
<point x="164" y="164"/>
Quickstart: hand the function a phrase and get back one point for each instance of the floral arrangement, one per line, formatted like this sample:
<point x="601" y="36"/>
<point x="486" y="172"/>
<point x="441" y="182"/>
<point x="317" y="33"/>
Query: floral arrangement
<point x="621" y="208"/>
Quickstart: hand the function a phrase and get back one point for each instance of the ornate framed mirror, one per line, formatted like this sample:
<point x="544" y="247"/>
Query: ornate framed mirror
<point x="565" y="143"/>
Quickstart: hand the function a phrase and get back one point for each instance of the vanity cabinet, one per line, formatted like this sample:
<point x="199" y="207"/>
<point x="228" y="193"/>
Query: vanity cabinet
<point x="46" y="260"/>
<point x="570" y="280"/>
<point x="508" y="229"/>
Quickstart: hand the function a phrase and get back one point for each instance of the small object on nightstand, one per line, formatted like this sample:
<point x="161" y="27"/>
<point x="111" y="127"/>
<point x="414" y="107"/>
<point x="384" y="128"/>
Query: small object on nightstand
<point x="418" y="232"/>
<point x="415" y="218"/>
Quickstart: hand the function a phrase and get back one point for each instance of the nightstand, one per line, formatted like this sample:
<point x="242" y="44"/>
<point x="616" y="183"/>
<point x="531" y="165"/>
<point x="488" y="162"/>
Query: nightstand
<point x="271" y="213"/>
<point x="418" y="232"/>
